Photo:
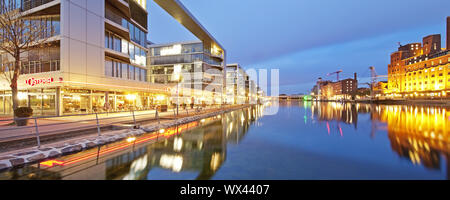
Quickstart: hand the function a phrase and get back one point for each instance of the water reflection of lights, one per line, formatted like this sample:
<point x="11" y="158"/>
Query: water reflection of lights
<point x="173" y="162"/>
<point x="416" y="135"/>
<point x="131" y="139"/>
<point x="182" y="152"/>
<point x="215" y="161"/>
<point x="136" y="167"/>
<point x="177" y="144"/>
<point x="120" y="146"/>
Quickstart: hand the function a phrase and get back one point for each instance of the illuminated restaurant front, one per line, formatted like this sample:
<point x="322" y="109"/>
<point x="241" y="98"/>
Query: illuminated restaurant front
<point x="49" y="96"/>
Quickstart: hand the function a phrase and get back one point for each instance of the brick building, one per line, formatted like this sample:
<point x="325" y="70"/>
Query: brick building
<point x="420" y="70"/>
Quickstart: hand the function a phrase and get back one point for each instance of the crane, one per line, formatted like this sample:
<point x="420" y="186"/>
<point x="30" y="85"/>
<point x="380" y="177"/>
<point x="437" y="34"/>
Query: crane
<point x="374" y="76"/>
<point x="338" y="72"/>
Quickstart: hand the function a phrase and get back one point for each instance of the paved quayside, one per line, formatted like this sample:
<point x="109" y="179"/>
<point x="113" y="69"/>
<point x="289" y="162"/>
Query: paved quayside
<point x="53" y="150"/>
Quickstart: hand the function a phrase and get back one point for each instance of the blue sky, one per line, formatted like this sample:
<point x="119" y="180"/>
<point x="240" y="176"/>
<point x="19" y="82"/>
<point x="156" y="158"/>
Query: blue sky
<point x="307" y="39"/>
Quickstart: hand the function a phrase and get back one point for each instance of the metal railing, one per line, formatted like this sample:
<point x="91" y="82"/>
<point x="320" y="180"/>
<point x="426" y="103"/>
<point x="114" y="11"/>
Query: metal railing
<point x="42" y="125"/>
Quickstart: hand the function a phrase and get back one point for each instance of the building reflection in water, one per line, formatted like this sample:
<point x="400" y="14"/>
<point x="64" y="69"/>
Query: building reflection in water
<point x="419" y="134"/>
<point x="338" y="112"/>
<point x="199" y="147"/>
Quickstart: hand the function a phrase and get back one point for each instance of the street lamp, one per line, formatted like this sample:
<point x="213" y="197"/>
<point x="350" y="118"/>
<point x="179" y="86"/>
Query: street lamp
<point x="178" y="78"/>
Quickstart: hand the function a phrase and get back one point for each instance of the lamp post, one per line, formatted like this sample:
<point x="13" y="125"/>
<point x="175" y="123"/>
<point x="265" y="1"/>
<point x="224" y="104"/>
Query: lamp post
<point x="178" y="95"/>
<point x="178" y="79"/>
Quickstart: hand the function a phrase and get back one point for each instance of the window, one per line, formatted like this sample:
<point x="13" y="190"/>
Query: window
<point x="125" y="71"/>
<point x="45" y="66"/>
<point x="117" y="44"/>
<point x="131" y="51"/>
<point x="125" y="47"/>
<point x="131" y="72"/>
<point x="108" y="68"/>
<point x="38" y="67"/>
<point x="56" y="25"/>
<point x="107" y="40"/>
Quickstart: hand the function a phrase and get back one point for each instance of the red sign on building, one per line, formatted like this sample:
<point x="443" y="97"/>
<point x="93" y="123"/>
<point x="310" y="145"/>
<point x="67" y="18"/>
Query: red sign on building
<point x="33" y="81"/>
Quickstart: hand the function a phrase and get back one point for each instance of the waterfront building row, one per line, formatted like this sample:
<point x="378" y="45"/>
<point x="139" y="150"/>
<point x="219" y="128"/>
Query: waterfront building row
<point x="97" y="59"/>
<point x="420" y="70"/>
<point x="341" y="90"/>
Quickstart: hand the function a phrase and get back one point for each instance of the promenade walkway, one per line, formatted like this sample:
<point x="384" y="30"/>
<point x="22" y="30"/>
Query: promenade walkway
<point x="67" y="127"/>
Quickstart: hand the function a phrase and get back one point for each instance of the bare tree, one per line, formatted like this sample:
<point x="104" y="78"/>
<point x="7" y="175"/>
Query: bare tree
<point x="20" y="33"/>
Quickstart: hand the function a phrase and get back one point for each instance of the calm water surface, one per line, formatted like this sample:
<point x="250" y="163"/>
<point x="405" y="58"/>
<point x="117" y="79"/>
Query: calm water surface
<point x="304" y="140"/>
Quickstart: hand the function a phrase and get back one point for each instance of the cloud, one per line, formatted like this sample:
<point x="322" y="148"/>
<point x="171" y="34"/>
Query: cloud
<point x="255" y="30"/>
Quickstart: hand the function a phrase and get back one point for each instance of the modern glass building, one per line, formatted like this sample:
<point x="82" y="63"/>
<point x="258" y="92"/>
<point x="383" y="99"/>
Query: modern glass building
<point x="198" y="69"/>
<point x="235" y="82"/>
<point x="97" y="58"/>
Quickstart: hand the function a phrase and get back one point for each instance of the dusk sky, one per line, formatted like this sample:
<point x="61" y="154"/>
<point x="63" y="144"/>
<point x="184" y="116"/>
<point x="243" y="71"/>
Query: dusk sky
<point x="307" y="39"/>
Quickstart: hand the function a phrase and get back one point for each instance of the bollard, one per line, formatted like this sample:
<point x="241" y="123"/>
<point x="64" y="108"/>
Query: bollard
<point x="37" y="133"/>
<point x="98" y="125"/>
<point x="134" y="120"/>
<point x="157" y="117"/>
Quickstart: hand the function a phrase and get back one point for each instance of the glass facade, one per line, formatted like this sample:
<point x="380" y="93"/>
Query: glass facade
<point x="114" y="42"/>
<point x="77" y="101"/>
<point x="42" y="101"/>
<point x="136" y="34"/>
<point x="118" y="69"/>
<point x="204" y="72"/>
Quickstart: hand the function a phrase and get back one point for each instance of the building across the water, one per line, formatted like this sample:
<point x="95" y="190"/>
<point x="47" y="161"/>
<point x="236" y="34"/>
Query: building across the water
<point x="420" y="70"/>
<point x="340" y="90"/>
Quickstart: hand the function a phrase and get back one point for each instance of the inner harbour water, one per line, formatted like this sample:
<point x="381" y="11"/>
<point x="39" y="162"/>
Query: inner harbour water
<point x="302" y="141"/>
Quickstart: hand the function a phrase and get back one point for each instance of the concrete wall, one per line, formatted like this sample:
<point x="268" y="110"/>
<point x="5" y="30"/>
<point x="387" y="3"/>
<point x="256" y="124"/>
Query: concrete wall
<point x="82" y="39"/>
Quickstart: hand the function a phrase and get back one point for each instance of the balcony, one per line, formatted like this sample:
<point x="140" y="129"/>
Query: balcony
<point x="30" y="4"/>
<point x="122" y="5"/>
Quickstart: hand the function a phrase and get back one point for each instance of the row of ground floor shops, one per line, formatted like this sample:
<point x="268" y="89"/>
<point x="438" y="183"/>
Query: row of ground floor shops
<point x="60" y="101"/>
